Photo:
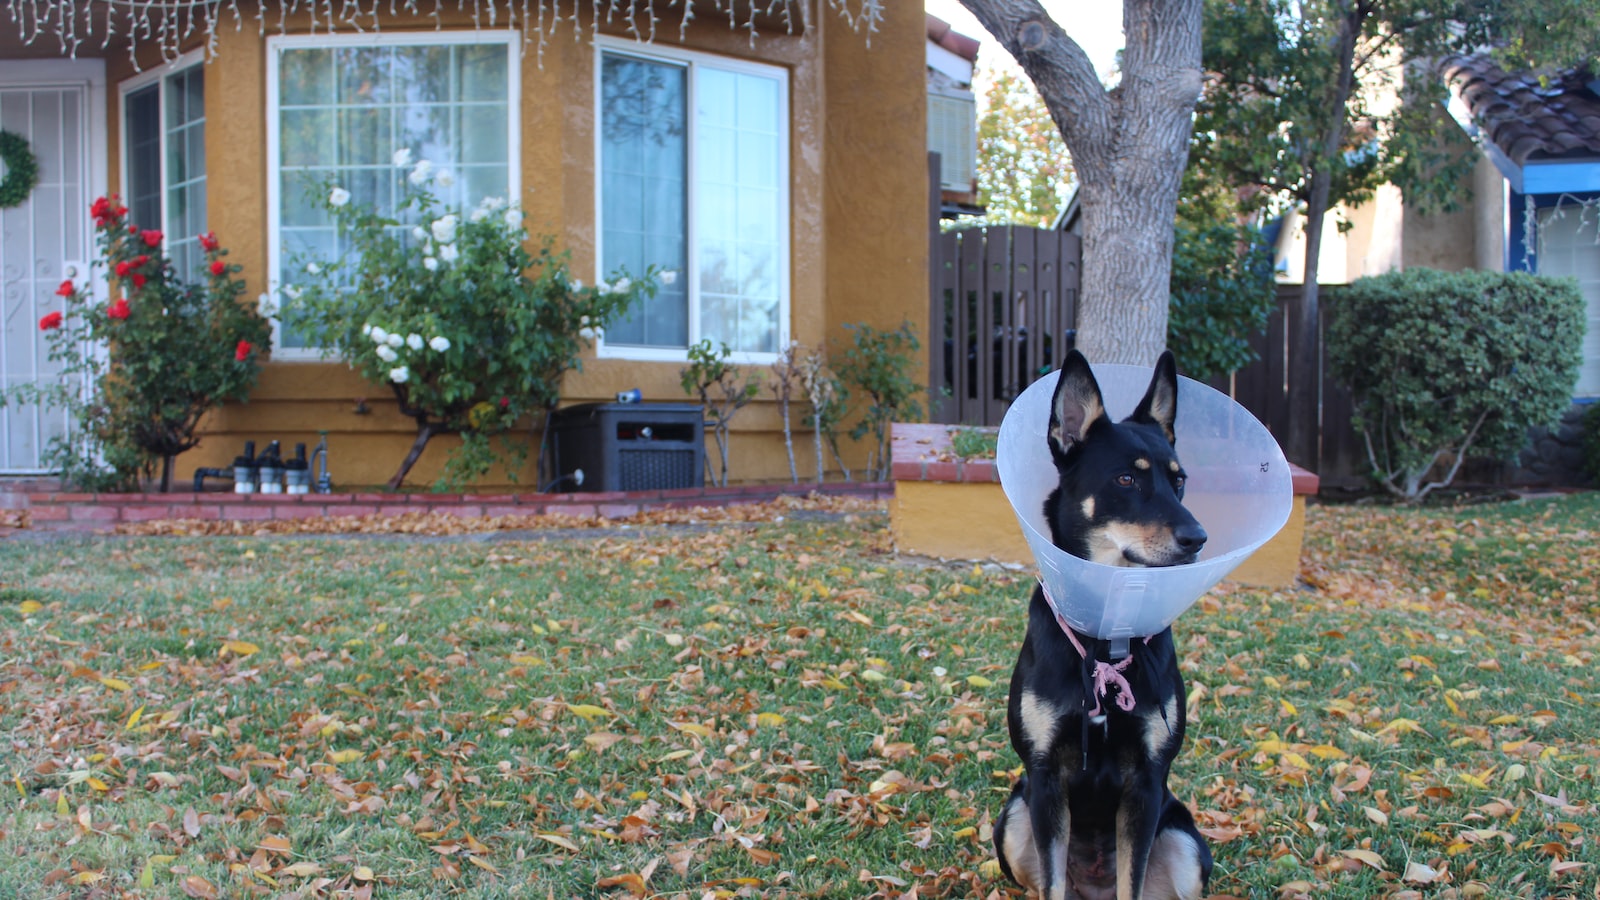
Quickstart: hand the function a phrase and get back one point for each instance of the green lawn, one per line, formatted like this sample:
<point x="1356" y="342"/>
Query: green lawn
<point x="785" y="710"/>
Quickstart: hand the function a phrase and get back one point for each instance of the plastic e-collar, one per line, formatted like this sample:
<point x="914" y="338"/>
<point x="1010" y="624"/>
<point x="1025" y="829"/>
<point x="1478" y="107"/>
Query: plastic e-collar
<point x="1239" y="489"/>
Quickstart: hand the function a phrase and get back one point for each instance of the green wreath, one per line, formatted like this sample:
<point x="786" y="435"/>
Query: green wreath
<point x="22" y="169"/>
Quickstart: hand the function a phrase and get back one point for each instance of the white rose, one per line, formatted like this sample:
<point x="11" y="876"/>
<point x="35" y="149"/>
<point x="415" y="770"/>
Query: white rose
<point x="586" y="333"/>
<point x="395" y="341"/>
<point x="600" y="286"/>
<point x="449" y="253"/>
<point x="583" y="320"/>
<point x="378" y="335"/>
<point x="366" y="330"/>
<point x="402" y="157"/>
<point x="414" y="341"/>
<point x="420" y="233"/>
<point x="385" y="354"/>
<point x="444" y="228"/>
<point x="431" y="264"/>
<point x="421" y="172"/>
<point x="293" y="291"/>
<point x="265" y="304"/>
<point x="313" y="268"/>
<point x="445" y="179"/>
<point x="514" y="218"/>
<point x="577" y="284"/>
<point x="478" y="215"/>
<point x="339" y="196"/>
<point x="622" y="285"/>
<point x="399" y="374"/>
<point x="669" y="276"/>
<point x="439" y="343"/>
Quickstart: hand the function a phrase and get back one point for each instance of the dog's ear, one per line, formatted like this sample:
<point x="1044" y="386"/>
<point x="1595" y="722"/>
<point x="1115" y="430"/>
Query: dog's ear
<point x="1160" y="403"/>
<point x="1076" y="406"/>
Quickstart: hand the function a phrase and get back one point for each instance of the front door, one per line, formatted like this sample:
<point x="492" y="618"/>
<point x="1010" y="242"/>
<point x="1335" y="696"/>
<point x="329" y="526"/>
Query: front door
<point x="48" y="238"/>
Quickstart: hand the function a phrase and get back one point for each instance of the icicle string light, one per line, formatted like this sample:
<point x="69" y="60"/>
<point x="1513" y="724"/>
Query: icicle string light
<point x="172" y="24"/>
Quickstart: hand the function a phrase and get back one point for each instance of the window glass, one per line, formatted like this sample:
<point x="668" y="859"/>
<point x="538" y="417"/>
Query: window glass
<point x="699" y="195"/>
<point x="343" y="112"/>
<point x="165" y="144"/>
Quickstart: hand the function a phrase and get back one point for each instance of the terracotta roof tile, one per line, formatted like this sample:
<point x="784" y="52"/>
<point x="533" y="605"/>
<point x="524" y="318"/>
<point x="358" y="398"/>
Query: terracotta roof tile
<point x="1526" y="119"/>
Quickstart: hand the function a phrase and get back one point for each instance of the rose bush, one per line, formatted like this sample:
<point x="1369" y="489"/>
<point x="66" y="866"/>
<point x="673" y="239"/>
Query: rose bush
<point x="157" y="355"/>
<point x="469" y="329"/>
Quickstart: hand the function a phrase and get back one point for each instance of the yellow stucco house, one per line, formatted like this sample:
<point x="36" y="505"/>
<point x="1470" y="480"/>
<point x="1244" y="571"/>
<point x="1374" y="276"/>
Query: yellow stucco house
<point x="798" y="153"/>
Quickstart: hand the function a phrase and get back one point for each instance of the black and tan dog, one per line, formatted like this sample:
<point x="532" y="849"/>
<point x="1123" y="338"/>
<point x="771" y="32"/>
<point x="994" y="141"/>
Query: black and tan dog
<point x="1092" y="817"/>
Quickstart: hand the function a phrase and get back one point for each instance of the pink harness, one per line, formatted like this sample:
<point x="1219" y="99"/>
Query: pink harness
<point x="1106" y="675"/>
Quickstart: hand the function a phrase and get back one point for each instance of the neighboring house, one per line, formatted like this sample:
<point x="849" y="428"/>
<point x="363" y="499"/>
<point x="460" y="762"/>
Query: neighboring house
<point x="785" y="175"/>
<point x="953" y="117"/>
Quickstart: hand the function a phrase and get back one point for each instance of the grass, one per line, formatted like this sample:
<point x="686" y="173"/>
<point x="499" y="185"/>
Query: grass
<point x="785" y="710"/>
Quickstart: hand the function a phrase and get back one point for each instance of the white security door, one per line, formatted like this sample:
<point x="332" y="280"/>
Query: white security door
<point x="44" y="241"/>
<point x="1569" y="244"/>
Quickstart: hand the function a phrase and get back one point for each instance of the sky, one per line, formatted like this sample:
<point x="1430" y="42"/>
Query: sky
<point x="1096" y="26"/>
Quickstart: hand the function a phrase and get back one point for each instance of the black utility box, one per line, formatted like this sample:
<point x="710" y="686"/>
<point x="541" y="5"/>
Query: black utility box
<point x="630" y="446"/>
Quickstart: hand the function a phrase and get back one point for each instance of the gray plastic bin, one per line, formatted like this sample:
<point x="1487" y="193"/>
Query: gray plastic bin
<point x="630" y="446"/>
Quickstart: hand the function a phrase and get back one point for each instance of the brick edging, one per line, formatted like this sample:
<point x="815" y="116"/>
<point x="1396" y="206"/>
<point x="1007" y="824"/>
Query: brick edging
<point x="63" y="510"/>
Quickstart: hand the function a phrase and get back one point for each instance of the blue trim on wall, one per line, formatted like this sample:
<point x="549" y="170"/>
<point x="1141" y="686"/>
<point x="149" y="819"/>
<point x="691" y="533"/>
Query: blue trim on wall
<point x="1554" y="178"/>
<point x="1518" y="238"/>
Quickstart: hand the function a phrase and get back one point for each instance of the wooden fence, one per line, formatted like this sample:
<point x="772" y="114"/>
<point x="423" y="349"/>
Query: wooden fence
<point x="1002" y="301"/>
<point x="1263" y="387"/>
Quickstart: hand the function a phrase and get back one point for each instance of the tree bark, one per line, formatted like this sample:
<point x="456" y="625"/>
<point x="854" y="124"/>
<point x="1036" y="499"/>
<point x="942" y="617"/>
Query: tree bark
<point x="1305" y="391"/>
<point x="425" y="433"/>
<point x="1129" y="146"/>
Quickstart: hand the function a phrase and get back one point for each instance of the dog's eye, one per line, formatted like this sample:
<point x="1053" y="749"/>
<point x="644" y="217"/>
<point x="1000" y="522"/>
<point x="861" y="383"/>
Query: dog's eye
<point x="1178" y="481"/>
<point x="1125" y="480"/>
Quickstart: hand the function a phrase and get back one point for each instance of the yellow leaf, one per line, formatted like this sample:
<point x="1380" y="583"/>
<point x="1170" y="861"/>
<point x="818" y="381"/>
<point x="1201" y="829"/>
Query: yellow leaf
<point x="588" y="712"/>
<point x="362" y="873"/>
<point x="1473" y="780"/>
<point x="344" y="756"/>
<point x="1375" y="815"/>
<point x="990" y="869"/>
<point x="557" y="839"/>
<point x="134" y="719"/>
<point x="151" y="665"/>
<point x="873" y="675"/>
<point x="694" y="728"/>
<point x="676" y="754"/>
<point x="523" y="659"/>
<point x="1271" y="746"/>
<point x="966" y="832"/>
<point x="1296" y="760"/>
<point x="1328" y="751"/>
<point x="29" y="607"/>
<point x="1514" y="772"/>
<point x="116" y="684"/>
<point x="1503" y="720"/>
<point x="1365" y="856"/>
<point x="978" y="681"/>
<point x="97" y="784"/>
<point x="147" y="877"/>
<point x="240" y="648"/>
<point x="62" y="809"/>
<point x="833" y="683"/>
<point x="1288" y="708"/>
<point x="299" y="870"/>
<point x="88" y="876"/>
<point x="769" y="720"/>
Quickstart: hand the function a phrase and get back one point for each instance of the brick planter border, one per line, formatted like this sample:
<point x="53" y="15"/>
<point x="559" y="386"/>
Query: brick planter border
<point x="49" y="510"/>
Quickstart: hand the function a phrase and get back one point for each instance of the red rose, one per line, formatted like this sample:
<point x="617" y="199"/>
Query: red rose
<point x="505" y="402"/>
<point x="242" y="352"/>
<point x="133" y="229"/>
<point x="151" y="238"/>
<point x="66" y="289"/>
<point x="119" y="309"/>
<point x="140" y="260"/>
<point x="218" y="267"/>
<point x="208" y="241"/>
<point x="123" y="268"/>
<point x="138" y="280"/>
<point x="52" y="320"/>
<point x="101" y="208"/>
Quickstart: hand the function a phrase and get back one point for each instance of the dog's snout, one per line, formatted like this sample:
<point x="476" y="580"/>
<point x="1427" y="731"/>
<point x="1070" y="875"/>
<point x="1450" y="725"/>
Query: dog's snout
<point x="1190" y="537"/>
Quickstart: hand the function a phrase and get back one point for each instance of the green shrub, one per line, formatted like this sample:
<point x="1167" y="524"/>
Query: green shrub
<point x="1222" y="293"/>
<point x="1447" y="364"/>
<point x="161" y="350"/>
<point x="880" y="363"/>
<point x="1591" y="442"/>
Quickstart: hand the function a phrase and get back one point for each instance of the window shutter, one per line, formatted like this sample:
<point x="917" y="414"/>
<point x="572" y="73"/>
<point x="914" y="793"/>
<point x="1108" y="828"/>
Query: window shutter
<point x="953" y="134"/>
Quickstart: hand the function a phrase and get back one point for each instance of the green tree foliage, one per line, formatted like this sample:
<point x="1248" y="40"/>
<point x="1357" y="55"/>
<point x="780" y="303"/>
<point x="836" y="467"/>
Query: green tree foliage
<point x="160" y="353"/>
<point x="1443" y="364"/>
<point x="1299" y="108"/>
<point x="1024" y="172"/>
<point x="1222" y="293"/>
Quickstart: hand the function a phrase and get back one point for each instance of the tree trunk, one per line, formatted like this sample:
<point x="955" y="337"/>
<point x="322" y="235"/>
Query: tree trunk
<point x="425" y="433"/>
<point x="1129" y="146"/>
<point x="1305" y="391"/>
<point x="166" y="474"/>
<point x="816" y="438"/>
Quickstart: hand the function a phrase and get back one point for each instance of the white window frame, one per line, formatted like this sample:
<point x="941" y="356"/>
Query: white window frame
<point x="691" y="60"/>
<point x="277" y="44"/>
<point x="140" y="82"/>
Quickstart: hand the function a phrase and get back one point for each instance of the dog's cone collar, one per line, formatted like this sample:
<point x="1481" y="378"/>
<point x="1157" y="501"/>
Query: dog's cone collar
<point x="1239" y="489"/>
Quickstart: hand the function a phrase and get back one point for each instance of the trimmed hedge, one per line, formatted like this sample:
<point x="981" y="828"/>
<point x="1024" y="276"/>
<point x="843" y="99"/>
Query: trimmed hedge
<point x="1447" y="364"/>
